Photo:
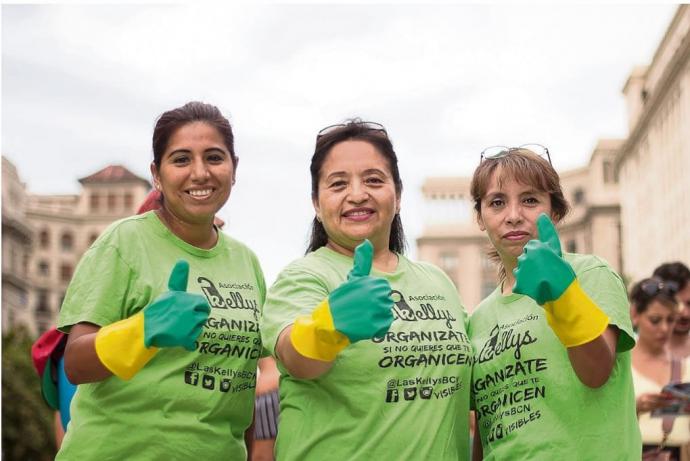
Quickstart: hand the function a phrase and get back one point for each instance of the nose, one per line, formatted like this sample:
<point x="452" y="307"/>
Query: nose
<point x="199" y="172"/>
<point x="514" y="213"/>
<point x="358" y="193"/>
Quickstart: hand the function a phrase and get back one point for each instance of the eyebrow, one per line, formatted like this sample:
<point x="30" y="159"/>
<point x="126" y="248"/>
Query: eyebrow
<point x="365" y="172"/>
<point x="188" y="151"/>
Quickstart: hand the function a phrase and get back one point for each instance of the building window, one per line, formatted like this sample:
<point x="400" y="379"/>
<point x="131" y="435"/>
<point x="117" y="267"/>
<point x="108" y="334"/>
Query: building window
<point x="65" y="272"/>
<point x="112" y="201"/>
<point x="609" y="173"/>
<point x="42" y="304"/>
<point x="449" y="261"/>
<point x="44" y="268"/>
<point x="92" y="238"/>
<point x="578" y="196"/>
<point x="44" y="239"/>
<point x="67" y="241"/>
<point x="95" y="201"/>
<point x="129" y="200"/>
<point x="571" y="246"/>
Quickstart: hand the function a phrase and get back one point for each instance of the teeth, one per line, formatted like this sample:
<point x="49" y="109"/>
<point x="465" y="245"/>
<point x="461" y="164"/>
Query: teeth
<point x="199" y="193"/>
<point x="358" y="213"/>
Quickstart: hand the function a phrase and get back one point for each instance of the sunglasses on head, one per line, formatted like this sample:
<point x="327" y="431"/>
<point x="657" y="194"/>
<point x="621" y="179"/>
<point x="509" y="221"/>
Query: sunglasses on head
<point x="652" y="287"/>
<point x="495" y="152"/>
<point x="370" y="126"/>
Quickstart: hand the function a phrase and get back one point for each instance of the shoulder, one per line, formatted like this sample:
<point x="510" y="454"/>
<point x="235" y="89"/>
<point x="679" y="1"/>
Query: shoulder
<point x="583" y="262"/>
<point x="123" y="229"/>
<point x="486" y="304"/>
<point x="236" y="246"/>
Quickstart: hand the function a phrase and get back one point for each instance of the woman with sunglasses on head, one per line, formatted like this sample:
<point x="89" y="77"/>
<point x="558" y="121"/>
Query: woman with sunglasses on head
<point x="162" y="313"/>
<point x="654" y="310"/>
<point x="551" y="377"/>
<point x="375" y="362"/>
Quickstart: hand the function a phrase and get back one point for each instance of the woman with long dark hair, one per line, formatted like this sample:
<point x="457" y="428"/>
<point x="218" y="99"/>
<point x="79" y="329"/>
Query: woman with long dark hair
<point x="372" y="347"/>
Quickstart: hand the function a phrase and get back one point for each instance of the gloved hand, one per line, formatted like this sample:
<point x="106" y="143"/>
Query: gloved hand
<point x="173" y="319"/>
<point x="360" y="308"/>
<point x="543" y="275"/>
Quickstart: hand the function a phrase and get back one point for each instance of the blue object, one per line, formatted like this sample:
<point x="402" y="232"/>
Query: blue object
<point x="66" y="391"/>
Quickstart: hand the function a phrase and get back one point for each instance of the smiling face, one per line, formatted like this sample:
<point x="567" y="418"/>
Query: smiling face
<point x="654" y="325"/>
<point x="356" y="196"/>
<point x="195" y="174"/>
<point x="508" y="215"/>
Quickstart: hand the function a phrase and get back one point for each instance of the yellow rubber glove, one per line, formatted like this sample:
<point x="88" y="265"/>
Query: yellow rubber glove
<point x="360" y="308"/>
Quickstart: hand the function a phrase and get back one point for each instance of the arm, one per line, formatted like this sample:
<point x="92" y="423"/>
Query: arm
<point x="645" y="403"/>
<point x="299" y="366"/>
<point x="122" y="348"/>
<point x="82" y="364"/>
<point x="360" y="308"/>
<point x="477" y="449"/>
<point x="581" y="325"/>
<point x="269" y="376"/>
<point x="593" y="361"/>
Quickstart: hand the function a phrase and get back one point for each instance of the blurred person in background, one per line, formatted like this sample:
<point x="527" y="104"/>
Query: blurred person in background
<point x="161" y="376"/>
<point x="654" y="312"/>
<point x="266" y="410"/>
<point x="678" y="273"/>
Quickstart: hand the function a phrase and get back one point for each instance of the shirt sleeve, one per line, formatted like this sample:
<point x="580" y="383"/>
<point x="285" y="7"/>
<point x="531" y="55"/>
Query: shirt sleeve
<point x="295" y="292"/>
<point x="101" y="291"/>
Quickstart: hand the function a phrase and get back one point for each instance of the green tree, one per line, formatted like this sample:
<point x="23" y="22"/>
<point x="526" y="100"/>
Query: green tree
<point x="27" y="421"/>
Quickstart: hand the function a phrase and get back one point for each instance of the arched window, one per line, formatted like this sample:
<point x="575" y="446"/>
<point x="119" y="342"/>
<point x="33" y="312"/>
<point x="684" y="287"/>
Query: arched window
<point x="67" y="241"/>
<point x="44" y="238"/>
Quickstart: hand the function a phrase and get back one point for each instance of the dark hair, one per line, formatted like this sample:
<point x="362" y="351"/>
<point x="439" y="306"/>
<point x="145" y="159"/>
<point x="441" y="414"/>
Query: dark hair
<point x="674" y="272"/>
<point x="354" y="129"/>
<point x="193" y="111"/>
<point x="525" y="167"/>
<point x="644" y="292"/>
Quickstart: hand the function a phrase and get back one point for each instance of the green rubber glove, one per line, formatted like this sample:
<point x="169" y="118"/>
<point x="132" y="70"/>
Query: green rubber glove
<point x="173" y="319"/>
<point x="543" y="275"/>
<point x="359" y="309"/>
<point x="176" y="317"/>
<point x="362" y="307"/>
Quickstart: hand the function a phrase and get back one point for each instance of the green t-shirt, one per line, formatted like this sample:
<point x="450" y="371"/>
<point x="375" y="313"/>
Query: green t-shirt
<point x="529" y="401"/>
<point x="182" y="405"/>
<point x="405" y="396"/>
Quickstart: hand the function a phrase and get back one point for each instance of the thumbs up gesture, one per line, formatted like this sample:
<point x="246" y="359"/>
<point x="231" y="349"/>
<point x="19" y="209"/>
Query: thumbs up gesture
<point x="360" y="308"/>
<point x="542" y="273"/>
<point x="173" y="319"/>
<point x="176" y="317"/>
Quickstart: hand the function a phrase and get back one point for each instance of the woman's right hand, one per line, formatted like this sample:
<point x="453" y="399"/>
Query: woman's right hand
<point x="651" y="401"/>
<point x="173" y="319"/>
<point x="360" y="308"/>
<point x="176" y="317"/>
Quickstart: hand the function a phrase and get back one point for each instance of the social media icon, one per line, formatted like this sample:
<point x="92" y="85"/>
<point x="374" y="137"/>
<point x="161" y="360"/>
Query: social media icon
<point x="425" y="392"/>
<point x="225" y="385"/>
<point x="392" y="395"/>
<point x="410" y="393"/>
<point x="208" y="382"/>
<point x="191" y="377"/>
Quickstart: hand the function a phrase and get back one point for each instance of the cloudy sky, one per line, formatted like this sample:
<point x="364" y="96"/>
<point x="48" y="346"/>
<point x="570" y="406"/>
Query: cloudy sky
<point x="83" y="85"/>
